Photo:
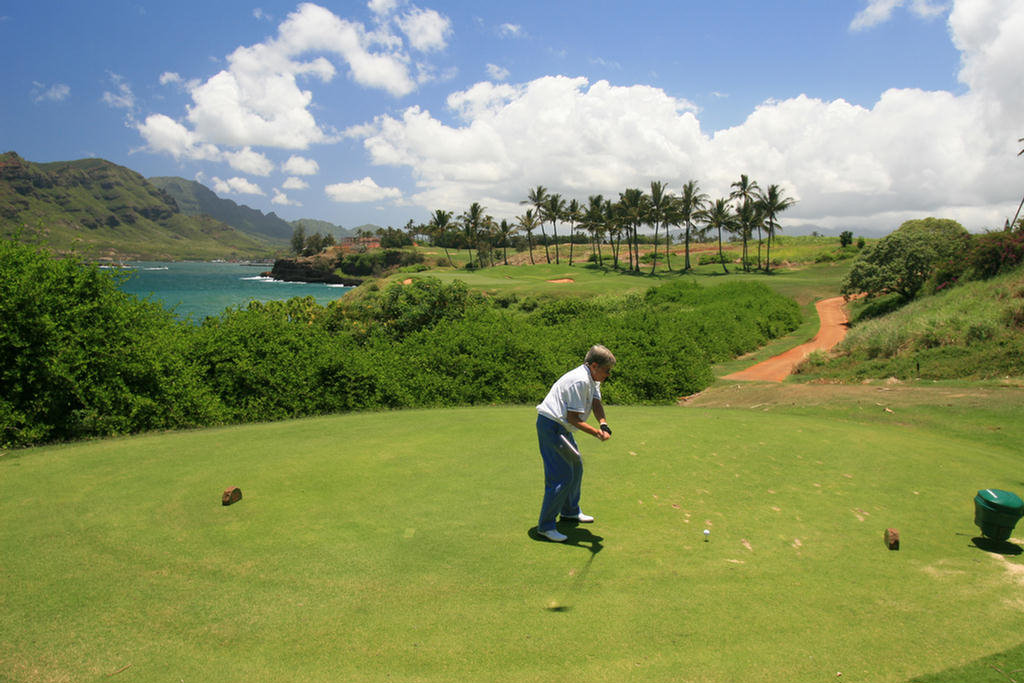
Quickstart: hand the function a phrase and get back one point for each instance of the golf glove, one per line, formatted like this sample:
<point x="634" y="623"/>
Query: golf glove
<point x="606" y="429"/>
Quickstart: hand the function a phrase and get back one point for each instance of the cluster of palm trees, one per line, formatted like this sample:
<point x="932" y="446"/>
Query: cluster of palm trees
<point x="747" y="210"/>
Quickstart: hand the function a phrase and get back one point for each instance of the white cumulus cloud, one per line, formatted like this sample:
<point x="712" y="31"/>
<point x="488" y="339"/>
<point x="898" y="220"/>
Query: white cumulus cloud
<point x="235" y="185"/>
<point x="365" y="190"/>
<point x="557" y="131"/>
<point x="281" y="199"/>
<point x="294" y="183"/>
<point x="164" y="135"/>
<point x="911" y="153"/>
<point x="297" y="165"/>
<point x="426" y="29"/>
<point x="248" y="161"/>
<point x="263" y="96"/>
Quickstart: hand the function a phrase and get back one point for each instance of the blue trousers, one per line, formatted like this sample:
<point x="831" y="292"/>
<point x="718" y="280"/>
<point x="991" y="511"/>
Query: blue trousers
<point x="563" y="473"/>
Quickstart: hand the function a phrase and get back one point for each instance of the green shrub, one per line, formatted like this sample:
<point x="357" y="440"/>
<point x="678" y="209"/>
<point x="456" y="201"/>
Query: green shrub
<point x="80" y="358"/>
<point x="376" y="261"/>
<point x="711" y="258"/>
<point x="903" y="261"/>
<point x="558" y="311"/>
<point x="993" y="253"/>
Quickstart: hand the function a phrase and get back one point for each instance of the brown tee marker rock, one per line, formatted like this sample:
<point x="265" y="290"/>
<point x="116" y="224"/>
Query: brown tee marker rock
<point x="231" y="495"/>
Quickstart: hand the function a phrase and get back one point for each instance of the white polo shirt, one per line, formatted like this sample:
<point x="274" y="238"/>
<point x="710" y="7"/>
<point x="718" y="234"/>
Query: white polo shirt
<point x="574" y="391"/>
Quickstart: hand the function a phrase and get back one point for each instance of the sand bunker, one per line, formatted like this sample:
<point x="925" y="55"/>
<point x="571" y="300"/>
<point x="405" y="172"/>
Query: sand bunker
<point x="562" y="280"/>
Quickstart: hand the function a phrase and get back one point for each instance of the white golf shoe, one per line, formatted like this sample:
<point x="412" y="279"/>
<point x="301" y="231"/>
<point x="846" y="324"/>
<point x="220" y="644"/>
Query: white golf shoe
<point x="581" y="518"/>
<point x="553" y="535"/>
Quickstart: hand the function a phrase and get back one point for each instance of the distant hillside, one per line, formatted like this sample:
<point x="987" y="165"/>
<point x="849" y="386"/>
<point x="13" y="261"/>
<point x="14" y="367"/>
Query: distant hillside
<point x="196" y="199"/>
<point x="313" y="226"/>
<point x="101" y="210"/>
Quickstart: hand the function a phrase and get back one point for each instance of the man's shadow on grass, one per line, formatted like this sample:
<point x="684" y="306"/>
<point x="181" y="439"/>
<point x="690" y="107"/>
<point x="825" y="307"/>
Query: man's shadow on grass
<point x="581" y="538"/>
<point x="578" y="536"/>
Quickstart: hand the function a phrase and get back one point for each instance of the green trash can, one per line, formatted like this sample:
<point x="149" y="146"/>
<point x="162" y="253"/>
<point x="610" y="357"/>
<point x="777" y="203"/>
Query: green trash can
<point x="996" y="512"/>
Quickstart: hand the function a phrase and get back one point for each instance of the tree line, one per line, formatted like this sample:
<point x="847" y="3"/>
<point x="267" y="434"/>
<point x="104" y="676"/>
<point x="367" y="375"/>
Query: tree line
<point x="747" y="214"/>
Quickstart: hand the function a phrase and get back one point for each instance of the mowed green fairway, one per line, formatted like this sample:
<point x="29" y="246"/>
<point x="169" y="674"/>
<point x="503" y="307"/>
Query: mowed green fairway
<point x="396" y="546"/>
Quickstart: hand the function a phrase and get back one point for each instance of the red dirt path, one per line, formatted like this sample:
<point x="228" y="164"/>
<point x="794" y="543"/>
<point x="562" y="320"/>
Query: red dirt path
<point x="832" y="330"/>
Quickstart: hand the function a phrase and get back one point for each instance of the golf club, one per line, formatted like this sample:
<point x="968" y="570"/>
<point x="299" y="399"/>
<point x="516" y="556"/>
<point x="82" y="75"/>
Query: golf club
<point x="568" y="444"/>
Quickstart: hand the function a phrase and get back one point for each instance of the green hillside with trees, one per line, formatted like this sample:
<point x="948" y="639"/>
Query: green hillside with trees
<point x="939" y="304"/>
<point x="97" y="209"/>
<point x="195" y="199"/>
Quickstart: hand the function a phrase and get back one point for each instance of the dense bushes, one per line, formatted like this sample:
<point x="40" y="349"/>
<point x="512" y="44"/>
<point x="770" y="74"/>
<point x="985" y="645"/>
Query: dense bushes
<point x="79" y="358"/>
<point x="903" y="261"/>
<point x="986" y="256"/>
<point x="377" y="261"/>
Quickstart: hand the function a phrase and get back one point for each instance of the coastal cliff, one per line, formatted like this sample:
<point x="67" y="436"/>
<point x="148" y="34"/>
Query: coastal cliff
<point x="309" y="269"/>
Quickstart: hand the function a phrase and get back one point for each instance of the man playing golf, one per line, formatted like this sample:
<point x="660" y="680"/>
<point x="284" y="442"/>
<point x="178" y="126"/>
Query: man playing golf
<point x="566" y="409"/>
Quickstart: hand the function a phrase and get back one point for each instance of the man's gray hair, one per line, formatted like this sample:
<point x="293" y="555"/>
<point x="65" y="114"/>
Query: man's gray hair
<point x="600" y="355"/>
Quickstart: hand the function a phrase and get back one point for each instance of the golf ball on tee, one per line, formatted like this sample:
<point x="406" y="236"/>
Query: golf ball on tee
<point x="707" y="532"/>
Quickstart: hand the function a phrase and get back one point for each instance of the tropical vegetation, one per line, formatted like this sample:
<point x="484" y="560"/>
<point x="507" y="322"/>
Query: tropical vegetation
<point x="940" y="304"/>
<point x="636" y="218"/>
<point x="80" y="358"/>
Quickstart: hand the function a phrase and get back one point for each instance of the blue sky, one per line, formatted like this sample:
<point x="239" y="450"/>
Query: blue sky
<point x="868" y="112"/>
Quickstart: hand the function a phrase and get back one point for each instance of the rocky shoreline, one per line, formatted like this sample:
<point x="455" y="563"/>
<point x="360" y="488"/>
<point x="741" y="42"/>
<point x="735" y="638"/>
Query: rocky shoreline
<point x="308" y="270"/>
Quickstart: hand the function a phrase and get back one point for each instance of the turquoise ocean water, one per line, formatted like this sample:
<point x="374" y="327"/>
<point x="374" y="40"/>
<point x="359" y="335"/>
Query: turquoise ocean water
<point x="196" y="290"/>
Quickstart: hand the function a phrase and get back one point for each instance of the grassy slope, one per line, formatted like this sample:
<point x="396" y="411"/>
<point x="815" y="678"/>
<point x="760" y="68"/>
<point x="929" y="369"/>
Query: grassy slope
<point x="398" y="544"/>
<point x="806" y="284"/>
<point x="975" y="330"/>
<point x="98" y="209"/>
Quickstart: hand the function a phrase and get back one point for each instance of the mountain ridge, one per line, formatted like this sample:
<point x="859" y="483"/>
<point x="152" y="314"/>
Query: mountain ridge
<point x="100" y="210"/>
<point x="194" y="199"/>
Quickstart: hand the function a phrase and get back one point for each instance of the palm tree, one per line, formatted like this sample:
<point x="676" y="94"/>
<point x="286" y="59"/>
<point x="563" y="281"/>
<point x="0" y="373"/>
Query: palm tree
<point x="745" y="190"/>
<point x="673" y="216"/>
<point x="505" y="231"/>
<point x="719" y="217"/>
<point x="748" y="217"/>
<point x="634" y="210"/>
<point x="614" y="222"/>
<point x="594" y="220"/>
<point x="472" y="220"/>
<point x="528" y="223"/>
<point x="658" y="208"/>
<point x="538" y="197"/>
<point x="553" y="210"/>
<point x="573" y="213"/>
<point x="438" y="226"/>
<point x="485" y="240"/>
<point x="691" y="204"/>
<point x="772" y="203"/>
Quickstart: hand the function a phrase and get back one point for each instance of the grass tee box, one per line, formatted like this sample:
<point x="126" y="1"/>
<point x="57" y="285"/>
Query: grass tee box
<point x="397" y="546"/>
